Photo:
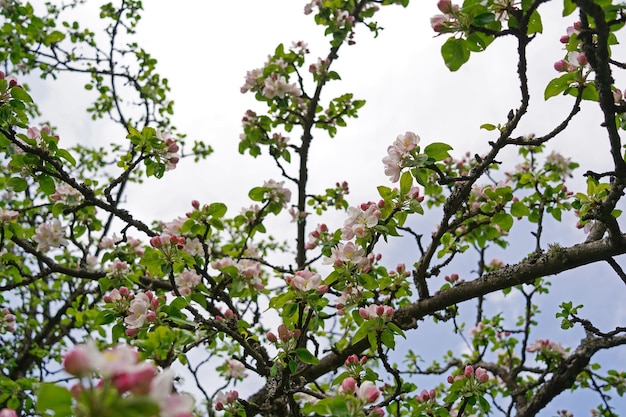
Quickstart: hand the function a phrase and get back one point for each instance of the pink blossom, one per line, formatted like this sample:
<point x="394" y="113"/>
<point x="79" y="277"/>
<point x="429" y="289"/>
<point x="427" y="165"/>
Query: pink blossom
<point x="374" y="311"/>
<point x="8" y="215"/>
<point x="252" y="78"/>
<point x="368" y="392"/>
<point x="359" y="221"/>
<point x="445" y="6"/>
<point x="235" y="369"/>
<point x="109" y="241"/>
<point x="78" y="361"/>
<point x="481" y="375"/>
<point x="50" y="234"/>
<point x="438" y="22"/>
<point x="186" y="281"/>
<point x="171" y="404"/>
<point x="348" y="385"/>
<point x="8" y="412"/>
<point x="225" y="398"/>
<point x="277" y="86"/>
<point x="306" y="280"/>
<point x="139" y="308"/>
<point x="169" y="153"/>
<point x="393" y="163"/>
<point x="398" y="153"/>
<point x="346" y="253"/>
<point x="66" y="194"/>
<point x="277" y="192"/>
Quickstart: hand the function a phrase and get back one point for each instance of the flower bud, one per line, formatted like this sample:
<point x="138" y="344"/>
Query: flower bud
<point x="348" y="385"/>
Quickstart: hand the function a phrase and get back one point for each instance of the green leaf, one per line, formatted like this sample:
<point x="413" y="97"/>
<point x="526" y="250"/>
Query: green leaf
<point x="488" y="126"/>
<point x="307" y="357"/>
<point x="17" y="184"/>
<point x="257" y="194"/>
<point x="54" y="398"/>
<point x="62" y="153"/>
<point x="46" y="184"/>
<point x="406" y="181"/>
<point x="534" y="23"/>
<point x="18" y="93"/>
<point x="519" y="209"/>
<point x="559" y="85"/>
<point x="388" y="340"/>
<point x="438" y="151"/>
<point x="504" y="220"/>
<point x="455" y="53"/>
<point x="484" y="19"/>
<point x="568" y="7"/>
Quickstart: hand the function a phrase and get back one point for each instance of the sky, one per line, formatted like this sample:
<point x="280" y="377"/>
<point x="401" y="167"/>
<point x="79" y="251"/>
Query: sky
<point x="205" y="48"/>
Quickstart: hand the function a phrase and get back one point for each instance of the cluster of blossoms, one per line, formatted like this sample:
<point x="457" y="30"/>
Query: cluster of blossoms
<point x="347" y="254"/>
<point x="8" y="215"/>
<point x="7" y="321"/>
<point x="376" y="311"/>
<point x="320" y="67"/>
<point x="318" y="235"/>
<point x="67" y="195"/>
<point x="274" y="85"/>
<point x="360" y="220"/>
<point x="480" y="375"/>
<point x="449" y="20"/>
<point x="546" y="346"/>
<point x="308" y="8"/>
<point x="191" y="245"/>
<point x="11" y="81"/>
<point x="120" y="368"/>
<point x="169" y="154"/>
<point x="167" y="244"/>
<point x="39" y="136"/>
<point x="226" y="400"/>
<point x="233" y="369"/>
<point x="349" y="296"/>
<point x="366" y="393"/>
<point x="277" y="86"/>
<point x="141" y="307"/>
<point x="50" y="235"/>
<point x="574" y="59"/>
<point x="286" y="339"/>
<point x="277" y="193"/>
<point x="454" y="279"/>
<point x="117" y="269"/>
<point x="247" y="268"/>
<point x="399" y="154"/>
<point x="306" y="280"/>
<point x="186" y="281"/>
<point x="427" y="396"/>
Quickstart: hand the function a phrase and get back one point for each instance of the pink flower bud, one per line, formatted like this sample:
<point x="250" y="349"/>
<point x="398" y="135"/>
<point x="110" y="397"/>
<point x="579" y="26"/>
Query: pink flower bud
<point x="450" y="379"/>
<point x="271" y="337"/>
<point x="155" y="242"/>
<point x="8" y="412"/>
<point x="564" y="39"/>
<point x="561" y="66"/>
<point x="348" y="385"/>
<point x="376" y="412"/>
<point x="368" y="392"/>
<point x="445" y="6"/>
<point x="77" y="362"/>
<point x="582" y="59"/>
<point x="469" y="371"/>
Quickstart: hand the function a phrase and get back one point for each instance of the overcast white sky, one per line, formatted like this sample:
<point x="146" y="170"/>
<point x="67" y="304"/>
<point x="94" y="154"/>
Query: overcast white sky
<point x="205" y="48"/>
